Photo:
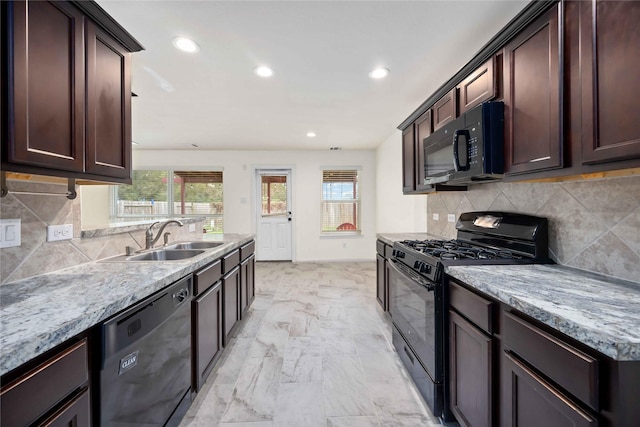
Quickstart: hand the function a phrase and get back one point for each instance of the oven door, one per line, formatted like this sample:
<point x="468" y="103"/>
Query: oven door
<point x="439" y="166"/>
<point x="415" y="308"/>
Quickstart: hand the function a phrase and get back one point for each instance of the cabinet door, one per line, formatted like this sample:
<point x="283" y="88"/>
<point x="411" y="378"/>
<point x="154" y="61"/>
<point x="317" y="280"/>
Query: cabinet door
<point x="244" y="296"/>
<point x="408" y="161"/>
<point x="207" y="316"/>
<point x="230" y="288"/>
<point x="445" y="110"/>
<point x="529" y="401"/>
<point x="380" y="282"/>
<point x="423" y="130"/>
<point x="251" y="279"/>
<point x="610" y="47"/>
<point x="532" y="97"/>
<point x="46" y="100"/>
<point x="470" y="363"/>
<point x="75" y="413"/>
<point x="480" y="86"/>
<point x="108" y="143"/>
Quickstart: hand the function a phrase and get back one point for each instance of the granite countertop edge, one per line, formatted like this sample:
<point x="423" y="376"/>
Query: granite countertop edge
<point x="597" y="311"/>
<point x="31" y="318"/>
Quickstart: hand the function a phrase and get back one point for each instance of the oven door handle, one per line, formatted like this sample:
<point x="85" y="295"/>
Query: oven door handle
<point x="412" y="275"/>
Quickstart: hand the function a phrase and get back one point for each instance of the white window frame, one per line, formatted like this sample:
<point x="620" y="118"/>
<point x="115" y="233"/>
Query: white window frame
<point x="357" y="200"/>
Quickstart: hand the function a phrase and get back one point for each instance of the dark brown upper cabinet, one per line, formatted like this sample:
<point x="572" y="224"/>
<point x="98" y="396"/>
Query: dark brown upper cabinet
<point x="479" y="87"/>
<point x="46" y="100"/>
<point x="408" y="161"/>
<point x="533" y="97"/>
<point x="108" y="135"/>
<point x="445" y="110"/>
<point x="68" y="92"/>
<point x="422" y="130"/>
<point x="610" y="43"/>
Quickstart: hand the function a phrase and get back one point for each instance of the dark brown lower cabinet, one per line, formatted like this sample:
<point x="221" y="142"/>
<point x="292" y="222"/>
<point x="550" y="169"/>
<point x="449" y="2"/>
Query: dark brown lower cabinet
<point x="52" y="390"/>
<point x="247" y="284"/>
<point x="207" y="320"/>
<point x="230" y="294"/>
<point x="381" y="282"/>
<point x="530" y="401"/>
<point x="471" y="373"/>
<point x="74" y="414"/>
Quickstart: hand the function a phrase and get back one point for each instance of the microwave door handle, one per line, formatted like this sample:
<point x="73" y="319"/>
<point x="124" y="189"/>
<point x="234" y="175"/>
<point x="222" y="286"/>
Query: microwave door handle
<point x="456" y="154"/>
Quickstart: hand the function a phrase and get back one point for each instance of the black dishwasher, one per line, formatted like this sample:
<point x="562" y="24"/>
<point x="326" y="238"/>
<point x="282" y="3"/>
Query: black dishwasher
<point x="145" y="374"/>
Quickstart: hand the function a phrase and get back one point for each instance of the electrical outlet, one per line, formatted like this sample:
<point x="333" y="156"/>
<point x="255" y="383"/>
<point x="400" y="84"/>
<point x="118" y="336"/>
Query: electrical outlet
<point x="192" y="228"/>
<point x="59" y="232"/>
<point x="436" y="217"/>
<point x="9" y="233"/>
<point x="451" y="218"/>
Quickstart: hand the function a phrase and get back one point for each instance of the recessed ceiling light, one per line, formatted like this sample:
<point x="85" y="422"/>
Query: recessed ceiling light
<point x="263" y="71"/>
<point x="311" y="134"/>
<point x="335" y="148"/>
<point x="185" y="44"/>
<point x="195" y="145"/>
<point x="379" y="73"/>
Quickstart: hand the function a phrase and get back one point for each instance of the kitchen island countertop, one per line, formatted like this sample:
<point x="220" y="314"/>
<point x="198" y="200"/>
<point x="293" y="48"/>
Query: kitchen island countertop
<point x="600" y="312"/>
<point x="40" y="312"/>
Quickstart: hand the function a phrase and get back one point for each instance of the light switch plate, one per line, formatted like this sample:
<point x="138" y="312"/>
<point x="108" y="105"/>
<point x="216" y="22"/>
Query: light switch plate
<point x="10" y="231"/>
<point x="59" y="232"/>
<point x="192" y="228"/>
<point x="451" y="218"/>
<point x="436" y="217"/>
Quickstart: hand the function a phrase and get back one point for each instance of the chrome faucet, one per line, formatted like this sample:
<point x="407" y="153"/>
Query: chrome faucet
<point x="149" y="240"/>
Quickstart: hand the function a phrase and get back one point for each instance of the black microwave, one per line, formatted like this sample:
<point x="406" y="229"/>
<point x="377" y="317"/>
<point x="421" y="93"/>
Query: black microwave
<point x="469" y="150"/>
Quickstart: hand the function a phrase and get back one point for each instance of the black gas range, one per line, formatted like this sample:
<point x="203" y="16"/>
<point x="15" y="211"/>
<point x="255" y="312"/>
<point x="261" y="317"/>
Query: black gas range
<point x="417" y="288"/>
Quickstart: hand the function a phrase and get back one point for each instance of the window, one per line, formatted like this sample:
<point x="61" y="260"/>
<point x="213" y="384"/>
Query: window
<point x="153" y="196"/>
<point x="340" y="201"/>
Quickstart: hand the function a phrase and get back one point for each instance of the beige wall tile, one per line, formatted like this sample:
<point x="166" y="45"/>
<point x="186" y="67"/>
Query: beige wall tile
<point x="611" y="256"/>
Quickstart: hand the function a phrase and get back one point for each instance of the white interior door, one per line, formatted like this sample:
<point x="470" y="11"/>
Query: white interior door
<point x="273" y="234"/>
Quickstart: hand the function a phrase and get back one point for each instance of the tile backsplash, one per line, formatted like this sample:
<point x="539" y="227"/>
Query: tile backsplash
<point x="594" y="224"/>
<point x="37" y="256"/>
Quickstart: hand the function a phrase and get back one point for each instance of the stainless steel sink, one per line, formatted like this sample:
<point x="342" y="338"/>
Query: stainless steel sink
<point x="165" y="255"/>
<point x="195" y="245"/>
<point x="157" y="255"/>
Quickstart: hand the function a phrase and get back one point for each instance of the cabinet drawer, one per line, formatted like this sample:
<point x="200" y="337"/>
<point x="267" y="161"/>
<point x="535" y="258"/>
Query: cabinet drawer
<point x="230" y="260"/>
<point x="380" y="247"/>
<point x="36" y="392"/>
<point x="247" y="250"/>
<point x="567" y="366"/>
<point x="207" y="277"/>
<point x="75" y="413"/>
<point x="472" y="306"/>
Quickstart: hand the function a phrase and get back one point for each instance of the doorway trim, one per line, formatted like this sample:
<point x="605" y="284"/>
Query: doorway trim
<point x="255" y="192"/>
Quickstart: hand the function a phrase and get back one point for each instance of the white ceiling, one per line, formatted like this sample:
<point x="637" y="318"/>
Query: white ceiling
<point x="321" y="52"/>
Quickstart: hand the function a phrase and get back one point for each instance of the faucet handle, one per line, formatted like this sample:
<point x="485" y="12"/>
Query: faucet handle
<point x="166" y="238"/>
<point x="129" y="250"/>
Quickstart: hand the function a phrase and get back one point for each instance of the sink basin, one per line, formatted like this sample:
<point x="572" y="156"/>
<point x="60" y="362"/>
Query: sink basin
<point x="165" y="255"/>
<point x="195" y="245"/>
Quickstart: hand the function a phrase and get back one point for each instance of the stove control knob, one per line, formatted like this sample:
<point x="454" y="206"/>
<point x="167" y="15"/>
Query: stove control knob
<point x="417" y="265"/>
<point x="398" y="254"/>
<point x="425" y="268"/>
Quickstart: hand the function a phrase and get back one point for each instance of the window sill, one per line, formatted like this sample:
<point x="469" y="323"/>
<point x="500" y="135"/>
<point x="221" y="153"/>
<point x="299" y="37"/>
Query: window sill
<point x="340" y="234"/>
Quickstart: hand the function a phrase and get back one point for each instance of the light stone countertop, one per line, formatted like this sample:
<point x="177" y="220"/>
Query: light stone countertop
<point x="40" y="312"/>
<point x="599" y="312"/>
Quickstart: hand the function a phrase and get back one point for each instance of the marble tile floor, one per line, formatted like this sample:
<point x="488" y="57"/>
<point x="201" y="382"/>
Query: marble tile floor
<point x="314" y="350"/>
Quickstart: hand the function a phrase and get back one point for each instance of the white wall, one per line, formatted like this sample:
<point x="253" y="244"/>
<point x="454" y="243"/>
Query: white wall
<point x="239" y="193"/>
<point x="395" y="212"/>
